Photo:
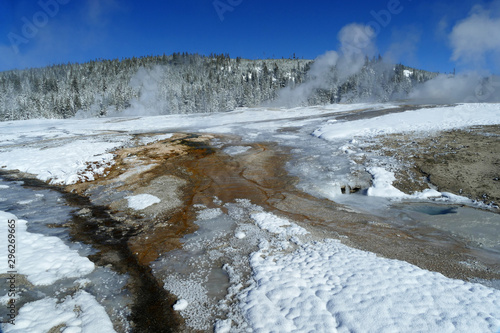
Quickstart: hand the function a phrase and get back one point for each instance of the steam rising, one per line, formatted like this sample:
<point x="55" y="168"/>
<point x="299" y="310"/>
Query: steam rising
<point x="149" y="102"/>
<point x="474" y="41"/>
<point x="356" y="41"/>
<point x="463" y="88"/>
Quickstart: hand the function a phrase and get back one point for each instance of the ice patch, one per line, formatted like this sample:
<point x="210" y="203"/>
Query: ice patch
<point x="142" y="201"/>
<point x="236" y="150"/>
<point x="43" y="259"/>
<point x="25" y="202"/>
<point x="286" y="137"/>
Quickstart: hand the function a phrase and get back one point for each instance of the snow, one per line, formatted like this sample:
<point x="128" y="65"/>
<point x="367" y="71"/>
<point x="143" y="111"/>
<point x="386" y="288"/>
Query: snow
<point x="297" y="285"/>
<point x="43" y="259"/>
<point x="208" y="214"/>
<point x="77" y="313"/>
<point x="152" y="139"/>
<point x="382" y="186"/>
<point x="68" y="151"/>
<point x="329" y="287"/>
<point x="142" y="201"/>
<point x="181" y="305"/>
<point x="276" y="224"/>
<point x="73" y="150"/>
<point x="326" y="286"/>
<point x="223" y="326"/>
<point x="240" y="235"/>
<point x="65" y="164"/>
<point x="407" y="73"/>
<point x="432" y="119"/>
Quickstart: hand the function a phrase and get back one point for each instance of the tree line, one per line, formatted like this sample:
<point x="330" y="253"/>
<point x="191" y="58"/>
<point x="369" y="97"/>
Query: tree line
<point x="183" y="83"/>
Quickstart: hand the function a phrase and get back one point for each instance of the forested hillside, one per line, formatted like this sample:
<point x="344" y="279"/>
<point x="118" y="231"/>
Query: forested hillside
<point x="186" y="83"/>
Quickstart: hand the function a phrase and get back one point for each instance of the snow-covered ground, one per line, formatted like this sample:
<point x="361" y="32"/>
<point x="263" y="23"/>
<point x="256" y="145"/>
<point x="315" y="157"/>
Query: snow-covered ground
<point x="329" y="287"/>
<point x="424" y="120"/>
<point x="43" y="260"/>
<point x="310" y="284"/>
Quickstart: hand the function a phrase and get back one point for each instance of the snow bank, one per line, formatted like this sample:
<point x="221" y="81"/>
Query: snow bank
<point x="382" y="184"/>
<point x="382" y="187"/>
<point x="142" y="201"/>
<point x="329" y="287"/>
<point x="65" y="164"/>
<point x="43" y="259"/>
<point x="80" y="313"/>
<point x="433" y="119"/>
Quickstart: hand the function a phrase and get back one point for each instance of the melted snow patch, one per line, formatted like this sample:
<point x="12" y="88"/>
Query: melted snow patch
<point x="142" y="201"/>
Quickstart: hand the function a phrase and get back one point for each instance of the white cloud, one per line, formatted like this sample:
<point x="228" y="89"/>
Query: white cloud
<point x="476" y="37"/>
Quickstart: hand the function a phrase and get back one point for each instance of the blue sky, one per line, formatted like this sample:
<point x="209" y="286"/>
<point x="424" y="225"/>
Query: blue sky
<point x="416" y="33"/>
